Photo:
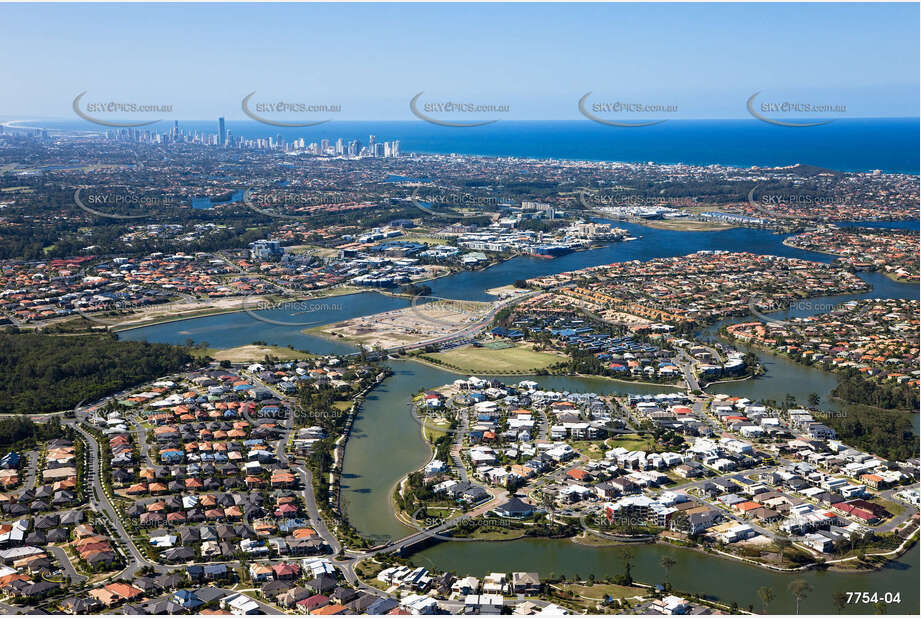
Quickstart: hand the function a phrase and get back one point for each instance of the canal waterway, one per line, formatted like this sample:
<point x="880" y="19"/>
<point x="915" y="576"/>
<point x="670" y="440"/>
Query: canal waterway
<point x="711" y="576"/>
<point x="386" y="442"/>
<point x="783" y="376"/>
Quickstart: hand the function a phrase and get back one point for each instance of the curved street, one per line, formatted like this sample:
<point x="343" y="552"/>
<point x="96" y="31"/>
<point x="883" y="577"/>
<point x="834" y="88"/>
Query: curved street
<point x="100" y="502"/>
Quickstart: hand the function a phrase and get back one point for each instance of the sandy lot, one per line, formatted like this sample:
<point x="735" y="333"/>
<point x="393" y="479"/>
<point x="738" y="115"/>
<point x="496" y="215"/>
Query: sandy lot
<point x="178" y="309"/>
<point x="409" y="325"/>
<point x="245" y="353"/>
<point x="625" y="319"/>
<point x="506" y="291"/>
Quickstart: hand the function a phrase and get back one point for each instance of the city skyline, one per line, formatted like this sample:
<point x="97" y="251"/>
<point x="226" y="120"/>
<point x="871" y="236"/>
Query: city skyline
<point x="224" y="138"/>
<point x="523" y="308"/>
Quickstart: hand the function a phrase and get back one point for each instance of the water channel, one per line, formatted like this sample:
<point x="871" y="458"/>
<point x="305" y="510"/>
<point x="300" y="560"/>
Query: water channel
<point x="386" y="442"/>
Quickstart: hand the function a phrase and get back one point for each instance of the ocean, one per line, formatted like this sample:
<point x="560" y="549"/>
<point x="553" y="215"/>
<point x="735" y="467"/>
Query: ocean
<point x="890" y="144"/>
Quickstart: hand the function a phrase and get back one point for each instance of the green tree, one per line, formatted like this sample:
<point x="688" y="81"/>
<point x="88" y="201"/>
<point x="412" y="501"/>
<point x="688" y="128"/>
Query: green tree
<point x="800" y="589"/>
<point x="667" y="562"/>
<point x="782" y="544"/>
<point x="839" y="600"/>
<point x="766" y="594"/>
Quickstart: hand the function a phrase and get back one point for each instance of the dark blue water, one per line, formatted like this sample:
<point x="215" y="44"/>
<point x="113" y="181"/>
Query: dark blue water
<point x="204" y="203"/>
<point x="887" y="144"/>
<point x="235" y="329"/>
<point x="651" y="243"/>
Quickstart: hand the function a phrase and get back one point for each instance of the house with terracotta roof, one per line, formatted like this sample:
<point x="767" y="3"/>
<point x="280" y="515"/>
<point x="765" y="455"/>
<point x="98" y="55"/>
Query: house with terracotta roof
<point x="286" y="571"/>
<point x="329" y="610"/>
<point x="260" y="573"/>
<point x="282" y="478"/>
<point x="746" y="507"/>
<point x="104" y="596"/>
<point x="125" y="592"/>
<point x="578" y="474"/>
<point x="873" y="480"/>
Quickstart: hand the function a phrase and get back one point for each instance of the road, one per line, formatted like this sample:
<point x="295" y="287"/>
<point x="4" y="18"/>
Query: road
<point x="12" y="610"/>
<point x="141" y="439"/>
<point x="686" y="364"/>
<point x="99" y="502"/>
<point x="468" y="331"/>
<point x="66" y="566"/>
<point x="543" y="426"/>
<point x="313" y="512"/>
<point x="457" y="444"/>
<point x="901" y="518"/>
<point x="29" y="481"/>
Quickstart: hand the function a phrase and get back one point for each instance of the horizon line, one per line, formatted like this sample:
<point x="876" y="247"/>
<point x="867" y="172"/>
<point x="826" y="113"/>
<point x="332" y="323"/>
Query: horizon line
<point x="503" y="120"/>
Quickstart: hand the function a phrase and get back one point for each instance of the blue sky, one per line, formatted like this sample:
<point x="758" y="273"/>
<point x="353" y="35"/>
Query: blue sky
<point x="538" y="59"/>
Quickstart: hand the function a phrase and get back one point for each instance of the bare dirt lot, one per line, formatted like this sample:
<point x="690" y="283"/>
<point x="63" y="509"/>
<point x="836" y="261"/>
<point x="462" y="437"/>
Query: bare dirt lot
<point x="407" y="326"/>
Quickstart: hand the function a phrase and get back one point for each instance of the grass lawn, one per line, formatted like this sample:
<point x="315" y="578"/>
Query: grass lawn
<point x="514" y="359"/>
<point x="598" y="591"/>
<point x="593" y="540"/>
<point x="433" y="429"/>
<point x="445" y="512"/>
<point x="893" y="506"/>
<point x="315" y="249"/>
<point x="632" y="442"/>
<point x="592" y="450"/>
<point x="594" y="594"/>
<point x="492" y="534"/>
<point x="368" y="569"/>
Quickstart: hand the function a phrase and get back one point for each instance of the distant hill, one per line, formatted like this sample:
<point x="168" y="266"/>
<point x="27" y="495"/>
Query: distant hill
<point x="808" y="171"/>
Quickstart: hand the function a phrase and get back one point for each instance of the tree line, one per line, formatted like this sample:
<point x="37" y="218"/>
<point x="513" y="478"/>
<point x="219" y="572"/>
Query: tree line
<point x="46" y="373"/>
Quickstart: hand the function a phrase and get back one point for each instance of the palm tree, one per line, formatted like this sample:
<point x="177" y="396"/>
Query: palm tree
<point x="782" y="544"/>
<point x="839" y="599"/>
<point x="667" y="562"/>
<point x="800" y="589"/>
<point x="627" y="554"/>
<point x="766" y="594"/>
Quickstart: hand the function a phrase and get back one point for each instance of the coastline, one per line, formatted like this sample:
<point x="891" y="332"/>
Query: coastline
<point x="639" y="159"/>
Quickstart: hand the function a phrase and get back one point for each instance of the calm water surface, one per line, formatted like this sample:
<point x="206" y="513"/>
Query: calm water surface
<point x="229" y="330"/>
<point x="726" y="580"/>
<point x="386" y="442"/>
